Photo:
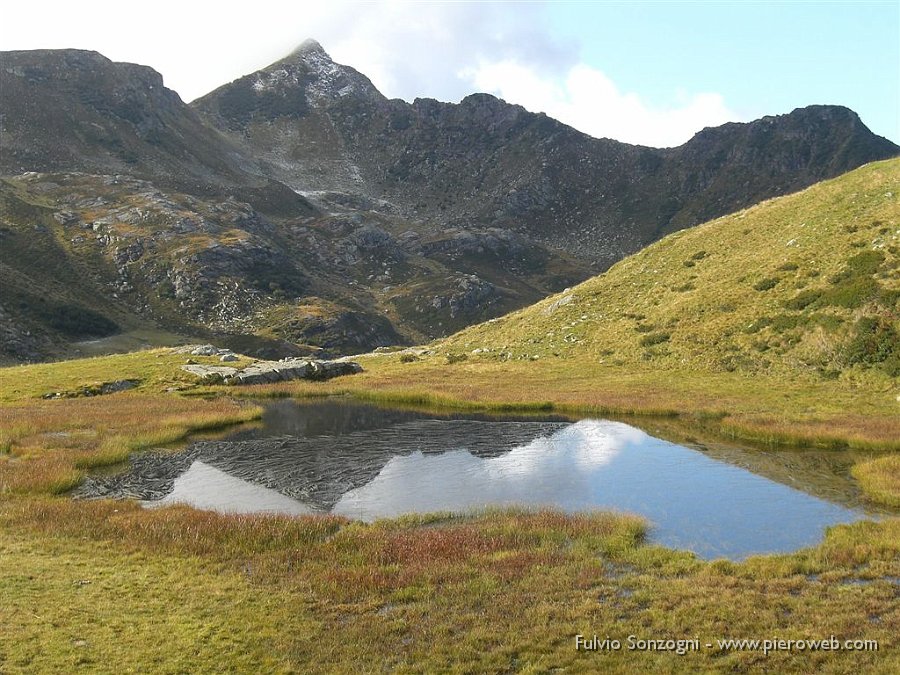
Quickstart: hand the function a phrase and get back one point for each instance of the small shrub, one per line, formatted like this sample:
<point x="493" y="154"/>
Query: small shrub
<point x="803" y="299"/>
<point x="408" y="358"/>
<point x="455" y="358"/>
<point x="787" y="267"/>
<point x="888" y="297"/>
<point x="863" y="264"/>
<point x="734" y="362"/>
<point x="758" y="325"/>
<point x="829" y="322"/>
<point x="654" y="339"/>
<point x="766" y="284"/>
<point x="875" y="342"/>
<point x="784" y="322"/>
<point x="852" y="293"/>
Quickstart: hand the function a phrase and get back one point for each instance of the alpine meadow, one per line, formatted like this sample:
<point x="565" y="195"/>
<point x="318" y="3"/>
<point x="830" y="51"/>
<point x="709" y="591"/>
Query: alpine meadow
<point x="304" y="376"/>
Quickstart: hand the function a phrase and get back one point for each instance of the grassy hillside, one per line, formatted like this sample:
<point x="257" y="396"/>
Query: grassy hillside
<point x="806" y="284"/>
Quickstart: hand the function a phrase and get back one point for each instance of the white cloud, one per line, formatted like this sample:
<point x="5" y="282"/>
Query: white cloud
<point x="412" y="50"/>
<point x="443" y="50"/>
<point x="408" y="49"/>
<point x="588" y="100"/>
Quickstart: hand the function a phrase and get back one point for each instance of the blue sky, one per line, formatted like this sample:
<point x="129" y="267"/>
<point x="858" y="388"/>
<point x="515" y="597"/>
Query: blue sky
<point x="762" y="57"/>
<point x="643" y="72"/>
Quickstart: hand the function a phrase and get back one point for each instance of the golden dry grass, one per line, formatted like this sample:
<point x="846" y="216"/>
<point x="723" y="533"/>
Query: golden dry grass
<point x="880" y="479"/>
<point x="493" y="592"/>
<point x="49" y="444"/>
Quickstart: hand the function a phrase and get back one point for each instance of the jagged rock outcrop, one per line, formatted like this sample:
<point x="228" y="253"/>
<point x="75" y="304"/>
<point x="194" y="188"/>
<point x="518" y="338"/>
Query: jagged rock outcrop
<point x="486" y="163"/>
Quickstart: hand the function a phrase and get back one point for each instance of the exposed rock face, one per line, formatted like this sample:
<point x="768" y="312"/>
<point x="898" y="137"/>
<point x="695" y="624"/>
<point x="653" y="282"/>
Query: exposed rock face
<point x="17" y="342"/>
<point x="297" y="204"/>
<point x="263" y="372"/>
<point x="341" y="330"/>
<point x="487" y="163"/>
<point x="71" y="108"/>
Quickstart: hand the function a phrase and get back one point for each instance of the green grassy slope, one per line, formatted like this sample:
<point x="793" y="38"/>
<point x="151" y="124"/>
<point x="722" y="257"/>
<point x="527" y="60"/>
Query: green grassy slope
<point x="803" y="284"/>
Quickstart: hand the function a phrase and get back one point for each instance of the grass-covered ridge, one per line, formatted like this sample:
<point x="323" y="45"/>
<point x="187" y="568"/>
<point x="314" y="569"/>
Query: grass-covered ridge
<point x="807" y="283"/>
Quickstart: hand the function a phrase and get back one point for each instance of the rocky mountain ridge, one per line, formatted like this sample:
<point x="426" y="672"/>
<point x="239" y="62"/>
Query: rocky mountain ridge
<point x="486" y="163"/>
<point x="299" y="205"/>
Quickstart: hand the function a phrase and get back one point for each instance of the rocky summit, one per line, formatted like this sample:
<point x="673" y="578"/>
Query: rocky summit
<point x="298" y="211"/>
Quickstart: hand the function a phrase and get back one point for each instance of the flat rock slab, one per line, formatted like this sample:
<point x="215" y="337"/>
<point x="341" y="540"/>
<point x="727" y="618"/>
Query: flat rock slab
<point x="264" y="372"/>
<point x="210" y="373"/>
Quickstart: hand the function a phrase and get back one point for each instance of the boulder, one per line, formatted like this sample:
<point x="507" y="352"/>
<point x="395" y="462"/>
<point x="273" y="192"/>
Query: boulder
<point x="264" y="372"/>
<point x="211" y="374"/>
<point x="118" y="385"/>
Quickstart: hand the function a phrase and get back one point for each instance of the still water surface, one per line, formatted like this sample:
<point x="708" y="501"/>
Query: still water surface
<point x="367" y="462"/>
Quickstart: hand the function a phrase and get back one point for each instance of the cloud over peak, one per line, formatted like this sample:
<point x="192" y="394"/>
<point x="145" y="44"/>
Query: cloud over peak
<point x="585" y="98"/>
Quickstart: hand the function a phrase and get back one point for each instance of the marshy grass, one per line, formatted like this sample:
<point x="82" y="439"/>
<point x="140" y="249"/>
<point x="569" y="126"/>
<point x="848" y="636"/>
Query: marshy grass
<point x="499" y="590"/>
<point x="503" y="589"/>
<point x="51" y="444"/>
<point x="880" y="479"/>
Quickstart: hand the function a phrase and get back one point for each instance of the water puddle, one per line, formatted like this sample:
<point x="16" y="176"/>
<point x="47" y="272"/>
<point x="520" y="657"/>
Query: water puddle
<point x="367" y="462"/>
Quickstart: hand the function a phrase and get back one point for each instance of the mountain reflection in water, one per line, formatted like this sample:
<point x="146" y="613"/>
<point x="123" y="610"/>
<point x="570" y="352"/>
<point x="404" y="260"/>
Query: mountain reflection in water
<point x="366" y="463"/>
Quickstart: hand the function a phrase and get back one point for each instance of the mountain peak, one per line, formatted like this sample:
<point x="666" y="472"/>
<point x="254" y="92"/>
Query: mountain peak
<point x="310" y="46"/>
<point x="309" y="68"/>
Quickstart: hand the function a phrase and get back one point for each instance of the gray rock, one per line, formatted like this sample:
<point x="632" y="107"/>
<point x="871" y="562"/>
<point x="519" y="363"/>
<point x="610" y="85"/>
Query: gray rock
<point x="228" y="357"/>
<point x="205" y="350"/>
<point x="265" y="372"/>
<point x="94" y="389"/>
<point x="211" y="374"/>
<point x="118" y="385"/>
<point x="556" y="304"/>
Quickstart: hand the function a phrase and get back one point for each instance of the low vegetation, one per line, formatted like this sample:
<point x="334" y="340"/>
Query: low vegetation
<point x="85" y="583"/>
<point x="46" y="446"/>
<point x="806" y="285"/>
<point x="809" y="359"/>
<point x="880" y="478"/>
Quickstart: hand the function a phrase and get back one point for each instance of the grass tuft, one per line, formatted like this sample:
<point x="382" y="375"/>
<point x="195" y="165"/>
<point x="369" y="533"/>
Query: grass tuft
<point x="880" y="479"/>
